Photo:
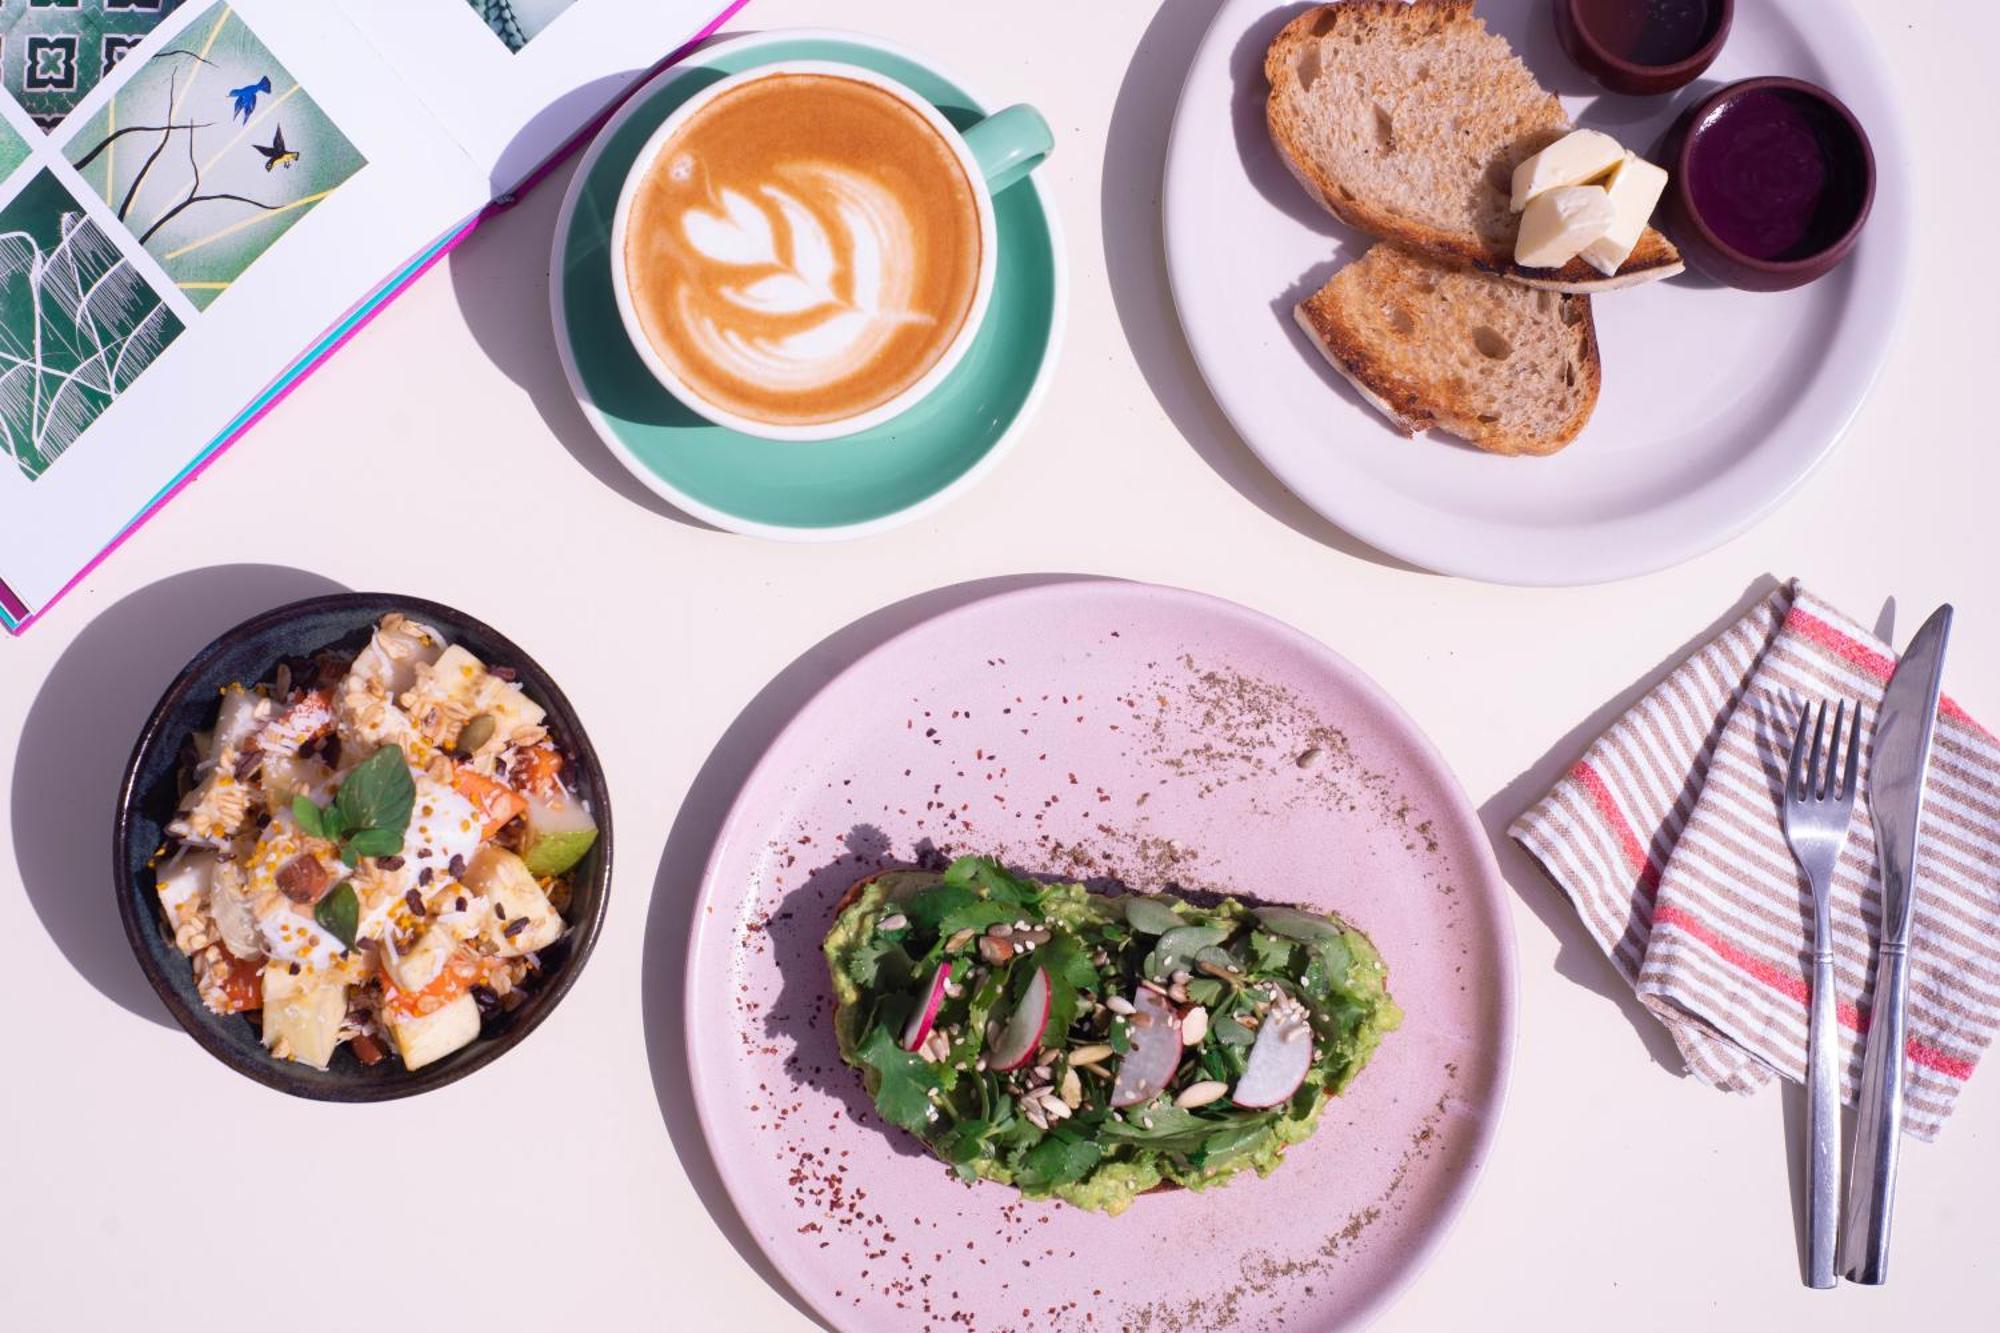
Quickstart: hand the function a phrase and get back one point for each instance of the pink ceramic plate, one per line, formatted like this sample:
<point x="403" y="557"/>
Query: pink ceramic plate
<point x="1116" y="731"/>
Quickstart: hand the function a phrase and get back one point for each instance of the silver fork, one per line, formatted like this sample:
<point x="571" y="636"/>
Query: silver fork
<point x="1819" y="805"/>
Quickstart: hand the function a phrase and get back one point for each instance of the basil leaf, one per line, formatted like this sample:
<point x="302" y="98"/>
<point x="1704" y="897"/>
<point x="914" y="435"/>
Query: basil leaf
<point x="375" y="842"/>
<point x="339" y="913"/>
<point x="307" y="816"/>
<point x="1059" y="1159"/>
<point x="378" y="794"/>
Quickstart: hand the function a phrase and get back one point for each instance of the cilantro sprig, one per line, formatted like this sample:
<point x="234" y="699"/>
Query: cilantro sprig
<point x="370" y="813"/>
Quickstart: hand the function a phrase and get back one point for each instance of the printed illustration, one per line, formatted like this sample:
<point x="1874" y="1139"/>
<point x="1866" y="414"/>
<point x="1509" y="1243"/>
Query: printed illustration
<point x="516" y="22"/>
<point x="52" y="52"/>
<point x="78" y="324"/>
<point x="14" y="149"/>
<point x="210" y="153"/>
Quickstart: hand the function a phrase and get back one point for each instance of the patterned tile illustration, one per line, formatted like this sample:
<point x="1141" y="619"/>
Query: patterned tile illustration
<point x="52" y="52"/>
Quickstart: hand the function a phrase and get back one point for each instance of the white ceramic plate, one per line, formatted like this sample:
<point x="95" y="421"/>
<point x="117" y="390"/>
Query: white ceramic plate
<point x="1716" y="403"/>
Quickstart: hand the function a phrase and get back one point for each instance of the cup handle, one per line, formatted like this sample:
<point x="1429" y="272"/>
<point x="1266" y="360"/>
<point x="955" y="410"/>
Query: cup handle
<point x="1009" y="144"/>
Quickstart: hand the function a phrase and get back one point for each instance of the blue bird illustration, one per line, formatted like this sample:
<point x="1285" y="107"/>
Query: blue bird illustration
<point x="245" y="97"/>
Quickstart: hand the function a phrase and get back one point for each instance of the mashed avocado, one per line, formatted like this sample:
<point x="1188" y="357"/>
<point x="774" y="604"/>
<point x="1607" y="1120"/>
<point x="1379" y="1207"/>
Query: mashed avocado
<point x="943" y="979"/>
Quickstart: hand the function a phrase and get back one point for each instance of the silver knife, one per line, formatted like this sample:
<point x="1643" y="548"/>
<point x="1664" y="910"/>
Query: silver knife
<point x="1896" y="766"/>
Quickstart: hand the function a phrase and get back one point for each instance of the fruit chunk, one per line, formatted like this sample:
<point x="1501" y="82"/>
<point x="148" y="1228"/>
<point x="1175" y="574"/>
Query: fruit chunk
<point x="505" y="880"/>
<point x="1280" y="1058"/>
<point x="925" y="1017"/>
<point x="496" y="802"/>
<point x="1022" y="1036"/>
<point x="560" y="830"/>
<point x="304" y="1013"/>
<point x="1156" y="1050"/>
<point x="424" y="1038"/>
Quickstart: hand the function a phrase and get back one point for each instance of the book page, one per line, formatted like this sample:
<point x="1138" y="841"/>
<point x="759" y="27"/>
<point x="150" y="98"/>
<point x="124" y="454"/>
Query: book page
<point x="514" y="80"/>
<point x="190" y="194"/>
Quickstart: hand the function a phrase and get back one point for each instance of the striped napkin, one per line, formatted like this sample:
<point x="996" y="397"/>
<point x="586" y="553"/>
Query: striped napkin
<point x="1666" y="837"/>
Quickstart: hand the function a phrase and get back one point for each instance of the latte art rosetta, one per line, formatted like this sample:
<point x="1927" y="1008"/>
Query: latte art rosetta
<point x="804" y="249"/>
<point x="822" y="312"/>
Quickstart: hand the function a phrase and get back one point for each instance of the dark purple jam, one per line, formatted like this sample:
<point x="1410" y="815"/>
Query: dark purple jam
<point x="1651" y="32"/>
<point x="1776" y="175"/>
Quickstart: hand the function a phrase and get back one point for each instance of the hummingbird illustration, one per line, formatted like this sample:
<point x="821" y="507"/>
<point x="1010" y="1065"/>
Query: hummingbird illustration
<point x="245" y="98"/>
<point x="275" y="153"/>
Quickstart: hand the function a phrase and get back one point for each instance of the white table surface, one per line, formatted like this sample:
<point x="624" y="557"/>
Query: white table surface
<point x="568" y="1183"/>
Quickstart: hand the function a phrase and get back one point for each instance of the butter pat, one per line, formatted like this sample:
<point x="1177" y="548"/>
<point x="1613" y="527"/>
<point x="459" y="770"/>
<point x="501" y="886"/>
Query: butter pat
<point x="1635" y="186"/>
<point x="1557" y="226"/>
<point x="1579" y="157"/>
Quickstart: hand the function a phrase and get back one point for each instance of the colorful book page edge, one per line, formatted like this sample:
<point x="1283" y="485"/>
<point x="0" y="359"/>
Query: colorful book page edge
<point x="15" y="615"/>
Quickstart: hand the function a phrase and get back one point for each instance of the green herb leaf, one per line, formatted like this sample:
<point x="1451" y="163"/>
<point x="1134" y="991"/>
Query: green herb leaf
<point x="378" y="793"/>
<point x="1231" y="1033"/>
<point x="1270" y="953"/>
<point x="1059" y="1159"/>
<point x="976" y="915"/>
<point x="339" y="913"/>
<point x="307" y="815"/>
<point x="1232" y="1140"/>
<point x="1177" y="948"/>
<point x="1121" y="1036"/>
<point x="375" y="842"/>
<point x="988" y="876"/>
<point x="881" y="963"/>
<point x="1149" y="917"/>
<point x="349" y="857"/>
<point x="930" y="907"/>
<point x="1204" y="990"/>
<point x="963" y="1142"/>
<point x="902" y="1090"/>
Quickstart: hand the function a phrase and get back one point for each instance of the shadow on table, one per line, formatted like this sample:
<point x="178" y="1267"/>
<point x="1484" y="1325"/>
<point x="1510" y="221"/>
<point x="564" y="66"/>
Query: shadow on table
<point x="76" y="740"/>
<point x="1135" y="262"/>
<point x="500" y="277"/>
<point x="670" y="919"/>
<point x="1578" y="956"/>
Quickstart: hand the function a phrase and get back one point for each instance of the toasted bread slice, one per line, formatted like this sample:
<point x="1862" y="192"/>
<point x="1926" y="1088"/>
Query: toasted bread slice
<point x="1511" y="369"/>
<point x="1406" y="120"/>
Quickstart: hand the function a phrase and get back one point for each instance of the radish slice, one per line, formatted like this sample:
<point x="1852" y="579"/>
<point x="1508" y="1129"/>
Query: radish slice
<point x="1156" y="1050"/>
<point x="1022" y="1036"/>
<point x="1280" y="1058"/>
<point x="926" y="1015"/>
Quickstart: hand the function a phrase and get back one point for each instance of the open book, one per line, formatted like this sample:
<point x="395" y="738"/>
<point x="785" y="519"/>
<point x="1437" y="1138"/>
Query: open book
<point x="201" y="199"/>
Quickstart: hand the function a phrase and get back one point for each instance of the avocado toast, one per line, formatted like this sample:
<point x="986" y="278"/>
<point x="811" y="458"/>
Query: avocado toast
<point x="1091" y="1048"/>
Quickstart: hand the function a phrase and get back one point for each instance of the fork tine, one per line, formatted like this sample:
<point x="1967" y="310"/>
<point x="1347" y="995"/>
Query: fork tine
<point x="1830" y="781"/>
<point x="1847" y="780"/>
<point x="1794" y="779"/>
<point x="1813" y="772"/>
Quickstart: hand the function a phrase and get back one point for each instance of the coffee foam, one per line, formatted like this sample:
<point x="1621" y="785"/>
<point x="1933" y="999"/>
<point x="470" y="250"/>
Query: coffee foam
<point x="804" y="249"/>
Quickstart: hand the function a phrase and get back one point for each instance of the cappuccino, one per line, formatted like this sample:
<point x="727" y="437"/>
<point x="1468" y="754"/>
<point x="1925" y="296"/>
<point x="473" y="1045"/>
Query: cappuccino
<point x="804" y="249"/>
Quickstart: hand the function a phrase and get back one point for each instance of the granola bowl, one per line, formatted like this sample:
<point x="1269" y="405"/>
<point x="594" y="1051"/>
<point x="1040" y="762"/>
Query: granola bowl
<point x="332" y="922"/>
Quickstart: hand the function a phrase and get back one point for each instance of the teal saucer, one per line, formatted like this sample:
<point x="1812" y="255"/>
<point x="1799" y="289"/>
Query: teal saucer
<point x="834" y="488"/>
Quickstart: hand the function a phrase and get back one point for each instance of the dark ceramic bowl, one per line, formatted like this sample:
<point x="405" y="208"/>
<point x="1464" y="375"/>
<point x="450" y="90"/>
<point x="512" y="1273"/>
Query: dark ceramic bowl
<point x="1843" y="200"/>
<point x="146" y="801"/>
<point x="1643" y="47"/>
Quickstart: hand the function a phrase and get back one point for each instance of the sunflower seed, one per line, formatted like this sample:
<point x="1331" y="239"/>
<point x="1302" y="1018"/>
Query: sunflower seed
<point x="893" y="921"/>
<point x="958" y="941"/>
<point x="1089" y="1055"/>
<point x="1055" y="1108"/>
<point x="1072" y="1089"/>
<point x="1200" y="1094"/>
<point x="1194" y="1026"/>
<point x="994" y="949"/>
<point x="1118" y="1004"/>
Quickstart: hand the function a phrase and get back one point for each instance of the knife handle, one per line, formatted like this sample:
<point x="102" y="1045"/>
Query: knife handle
<point x="1871" y="1190"/>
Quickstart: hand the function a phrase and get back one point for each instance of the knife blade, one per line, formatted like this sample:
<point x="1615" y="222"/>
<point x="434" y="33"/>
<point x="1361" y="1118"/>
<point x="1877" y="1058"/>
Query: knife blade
<point x="1897" y="763"/>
